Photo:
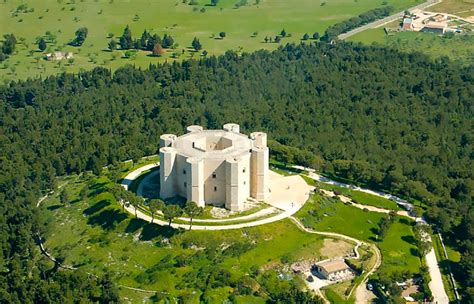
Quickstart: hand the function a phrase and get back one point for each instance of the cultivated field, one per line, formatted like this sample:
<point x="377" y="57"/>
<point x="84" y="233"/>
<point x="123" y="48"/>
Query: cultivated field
<point x="246" y="27"/>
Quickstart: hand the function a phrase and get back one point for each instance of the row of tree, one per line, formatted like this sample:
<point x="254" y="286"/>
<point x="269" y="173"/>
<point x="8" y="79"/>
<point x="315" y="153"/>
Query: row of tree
<point x="168" y="211"/>
<point x="335" y="30"/>
<point x="8" y="46"/>
<point x="146" y="42"/>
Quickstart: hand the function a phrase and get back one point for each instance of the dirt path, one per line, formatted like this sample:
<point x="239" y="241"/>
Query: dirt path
<point x="362" y="295"/>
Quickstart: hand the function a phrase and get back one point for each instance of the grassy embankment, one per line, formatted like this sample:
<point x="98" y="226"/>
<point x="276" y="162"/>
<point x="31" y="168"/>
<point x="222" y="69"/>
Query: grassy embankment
<point x="96" y="235"/>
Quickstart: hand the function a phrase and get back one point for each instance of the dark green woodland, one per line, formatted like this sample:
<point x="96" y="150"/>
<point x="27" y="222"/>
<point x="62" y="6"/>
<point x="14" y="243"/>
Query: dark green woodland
<point x="393" y="121"/>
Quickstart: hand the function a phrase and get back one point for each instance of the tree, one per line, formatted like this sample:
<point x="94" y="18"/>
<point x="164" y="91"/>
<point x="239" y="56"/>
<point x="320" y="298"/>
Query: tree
<point x="144" y="39"/>
<point x="422" y="240"/>
<point x="277" y="39"/>
<point x="42" y="44"/>
<point x="64" y="197"/>
<point x="305" y="36"/>
<point x="109" y="292"/>
<point x="154" y="205"/>
<point x="283" y="33"/>
<point x="81" y="35"/>
<point x="167" y="41"/>
<point x="126" y="40"/>
<point x="135" y="201"/>
<point x="214" y="2"/>
<point x="158" y="50"/>
<point x="222" y="35"/>
<point x="84" y="192"/>
<point x="152" y="41"/>
<point x="9" y="44"/>
<point x="196" y="44"/>
<point x="112" y="44"/>
<point x="170" y="212"/>
<point x="113" y="172"/>
<point x="315" y="35"/>
<point x="192" y="209"/>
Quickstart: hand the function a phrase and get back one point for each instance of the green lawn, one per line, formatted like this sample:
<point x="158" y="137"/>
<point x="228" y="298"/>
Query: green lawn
<point x="397" y="248"/>
<point x="362" y="197"/>
<point x="459" y="48"/>
<point x="96" y="235"/>
<point x="181" y="20"/>
<point x="329" y="214"/>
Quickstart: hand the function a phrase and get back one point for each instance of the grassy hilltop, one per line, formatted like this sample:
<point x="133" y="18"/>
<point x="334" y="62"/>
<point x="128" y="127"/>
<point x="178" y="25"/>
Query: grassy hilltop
<point x="246" y="27"/>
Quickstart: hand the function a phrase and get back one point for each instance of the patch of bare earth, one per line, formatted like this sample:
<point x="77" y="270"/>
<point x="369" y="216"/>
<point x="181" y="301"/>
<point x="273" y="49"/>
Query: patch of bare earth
<point x="335" y="248"/>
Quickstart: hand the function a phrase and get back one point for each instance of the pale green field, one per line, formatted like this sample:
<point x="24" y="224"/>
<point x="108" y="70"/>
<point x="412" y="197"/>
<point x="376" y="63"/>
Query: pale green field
<point x="101" y="17"/>
<point x="458" y="48"/>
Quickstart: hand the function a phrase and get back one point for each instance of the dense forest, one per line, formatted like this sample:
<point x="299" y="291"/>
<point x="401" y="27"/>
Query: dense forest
<point x="390" y="120"/>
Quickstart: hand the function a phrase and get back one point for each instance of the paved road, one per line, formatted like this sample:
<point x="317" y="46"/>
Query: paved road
<point x="388" y="19"/>
<point x="436" y="283"/>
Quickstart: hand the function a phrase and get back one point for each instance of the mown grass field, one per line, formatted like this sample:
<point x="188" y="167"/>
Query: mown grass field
<point x="458" y="48"/>
<point x="245" y="27"/>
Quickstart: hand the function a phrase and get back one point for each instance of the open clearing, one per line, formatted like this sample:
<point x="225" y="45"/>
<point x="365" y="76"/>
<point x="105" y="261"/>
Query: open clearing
<point x="181" y="20"/>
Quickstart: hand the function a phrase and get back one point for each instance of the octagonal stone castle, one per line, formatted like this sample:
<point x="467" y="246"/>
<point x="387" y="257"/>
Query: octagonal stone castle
<point x="214" y="167"/>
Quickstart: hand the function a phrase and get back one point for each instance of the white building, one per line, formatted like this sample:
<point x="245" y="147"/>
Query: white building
<point x="335" y="270"/>
<point x="214" y="167"/>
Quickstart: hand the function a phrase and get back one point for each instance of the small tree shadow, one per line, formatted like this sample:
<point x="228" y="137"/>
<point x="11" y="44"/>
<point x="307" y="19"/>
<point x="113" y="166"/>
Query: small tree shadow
<point x="107" y="219"/>
<point x="414" y="252"/>
<point x="409" y="239"/>
<point x="151" y="231"/>
<point x="134" y="224"/>
<point x="53" y="207"/>
<point x="404" y="221"/>
<point x="96" y="207"/>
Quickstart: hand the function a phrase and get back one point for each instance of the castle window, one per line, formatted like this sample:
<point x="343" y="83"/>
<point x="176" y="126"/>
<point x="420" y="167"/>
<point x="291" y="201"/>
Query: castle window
<point x="245" y="182"/>
<point x="185" y="184"/>
<point x="215" y="189"/>
<point x="184" y="172"/>
<point x="243" y="171"/>
<point x="214" y="175"/>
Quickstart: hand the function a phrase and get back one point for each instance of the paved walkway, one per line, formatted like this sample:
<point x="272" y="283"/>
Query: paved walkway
<point x="287" y="193"/>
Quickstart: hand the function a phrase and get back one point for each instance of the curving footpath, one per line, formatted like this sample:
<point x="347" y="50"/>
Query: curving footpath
<point x="287" y="209"/>
<point x="436" y="284"/>
<point x="361" y="294"/>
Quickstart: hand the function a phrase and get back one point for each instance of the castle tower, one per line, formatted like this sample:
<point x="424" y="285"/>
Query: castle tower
<point x="214" y="167"/>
